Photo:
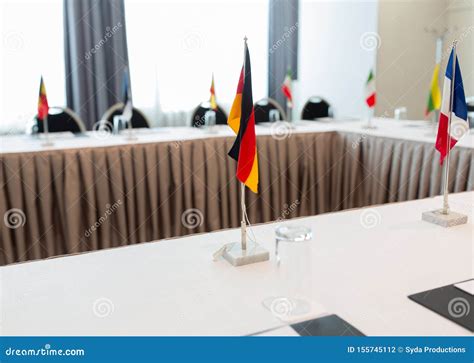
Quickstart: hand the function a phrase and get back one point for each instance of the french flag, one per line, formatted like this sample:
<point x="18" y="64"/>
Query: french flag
<point x="459" y="123"/>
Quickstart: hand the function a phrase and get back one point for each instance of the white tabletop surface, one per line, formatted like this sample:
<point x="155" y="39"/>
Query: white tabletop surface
<point x="361" y="264"/>
<point x="409" y="130"/>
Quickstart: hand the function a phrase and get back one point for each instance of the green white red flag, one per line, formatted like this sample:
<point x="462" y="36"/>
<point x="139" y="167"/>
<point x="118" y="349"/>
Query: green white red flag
<point x="370" y="90"/>
<point x="286" y="89"/>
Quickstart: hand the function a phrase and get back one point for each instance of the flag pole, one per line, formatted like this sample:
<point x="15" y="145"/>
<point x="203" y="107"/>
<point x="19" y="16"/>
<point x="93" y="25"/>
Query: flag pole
<point x="131" y="134"/>
<point x="288" y="103"/>
<point x="243" y="223"/>
<point x="237" y="254"/>
<point x="444" y="216"/>
<point x="289" y="111"/>
<point x="47" y="141"/>
<point x="446" y="167"/>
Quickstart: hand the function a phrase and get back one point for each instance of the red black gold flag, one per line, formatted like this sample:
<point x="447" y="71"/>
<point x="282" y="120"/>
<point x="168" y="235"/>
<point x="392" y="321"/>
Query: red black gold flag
<point x="212" y="100"/>
<point x="244" y="150"/>
<point x="234" y="116"/>
<point x="43" y="107"/>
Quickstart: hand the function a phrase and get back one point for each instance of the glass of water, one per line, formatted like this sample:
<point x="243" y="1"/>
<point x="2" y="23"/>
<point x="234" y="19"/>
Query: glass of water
<point x="290" y="234"/>
<point x="210" y="118"/>
<point x="293" y="290"/>
<point x="274" y="116"/>
<point x="400" y="113"/>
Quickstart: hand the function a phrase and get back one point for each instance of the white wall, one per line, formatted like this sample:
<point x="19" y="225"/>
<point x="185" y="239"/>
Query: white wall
<point x="407" y="54"/>
<point x="460" y="20"/>
<point x="332" y="62"/>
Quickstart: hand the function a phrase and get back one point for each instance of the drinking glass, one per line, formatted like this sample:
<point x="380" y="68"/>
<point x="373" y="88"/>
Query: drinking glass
<point x="210" y="118"/>
<point x="290" y="234"/>
<point x="291" y="299"/>
<point x="274" y="115"/>
<point x="400" y="113"/>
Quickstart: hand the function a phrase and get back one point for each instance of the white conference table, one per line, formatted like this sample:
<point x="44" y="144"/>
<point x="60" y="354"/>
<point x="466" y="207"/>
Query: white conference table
<point x="421" y="131"/>
<point x="363" y="265"/>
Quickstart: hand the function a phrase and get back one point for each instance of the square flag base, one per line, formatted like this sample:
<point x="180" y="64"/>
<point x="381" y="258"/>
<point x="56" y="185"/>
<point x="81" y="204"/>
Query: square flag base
<point x="238" y="257"/>
<point x="47" y="143"/>
<point x="445" y="220"/>
<point x="369" y="126"/>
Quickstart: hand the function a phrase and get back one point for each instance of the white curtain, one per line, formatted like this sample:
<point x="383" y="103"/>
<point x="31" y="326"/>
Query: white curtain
<point x="33" y="45"/>
<point x="175" y="46"/>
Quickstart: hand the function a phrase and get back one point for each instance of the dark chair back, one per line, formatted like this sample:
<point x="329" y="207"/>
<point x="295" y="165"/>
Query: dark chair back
<point x="470" y="104"/>
<point x="198" y="115"/>
<point x="263" y="107"/>
<point x="316" y="107"/>
<point x="60" y="119"/>
<point x="470" y="111"/>
<point x="139" y="120"/>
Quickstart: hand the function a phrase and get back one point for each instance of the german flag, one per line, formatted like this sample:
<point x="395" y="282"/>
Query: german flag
<point x="43" y="107"/>
<point x="242" y="121"/>
<point x="234" y="116"/>
<point x="212" y="100"/>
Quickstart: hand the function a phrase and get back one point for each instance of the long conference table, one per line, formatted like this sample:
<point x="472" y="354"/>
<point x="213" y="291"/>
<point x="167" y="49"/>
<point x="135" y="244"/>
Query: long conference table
<point x="98" y="190"/>
<point x="361" y="268"/>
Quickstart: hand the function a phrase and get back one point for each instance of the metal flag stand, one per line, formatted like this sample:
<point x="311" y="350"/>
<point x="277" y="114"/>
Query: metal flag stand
<point x="47" y="140"/>
<point x="130" y="132"/>
<point x="445" y="217"/>
<point x="370" y="123"/>
<point x="290" y="123"/>
<point x="245" y="252"/>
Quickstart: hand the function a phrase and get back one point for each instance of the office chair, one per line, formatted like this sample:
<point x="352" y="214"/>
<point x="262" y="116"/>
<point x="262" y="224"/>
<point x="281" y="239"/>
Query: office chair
<point x="60" y="119"/>
<point x="139" y="120"/>
<point x="198" y="118"/>
<point x="316" y="107"/>
<point x="265" y="107"/>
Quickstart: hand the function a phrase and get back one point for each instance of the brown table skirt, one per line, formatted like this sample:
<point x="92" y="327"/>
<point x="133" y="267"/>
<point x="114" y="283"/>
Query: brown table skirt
<point x="69" y="201"/>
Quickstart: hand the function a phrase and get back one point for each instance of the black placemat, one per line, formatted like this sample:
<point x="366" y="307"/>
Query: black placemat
<point x="450" y="302"/>
<point x="331" y="325"/>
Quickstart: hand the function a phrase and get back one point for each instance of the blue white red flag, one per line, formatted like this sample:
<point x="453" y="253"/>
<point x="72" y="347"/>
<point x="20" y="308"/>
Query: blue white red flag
<point x="459" y="124"/>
